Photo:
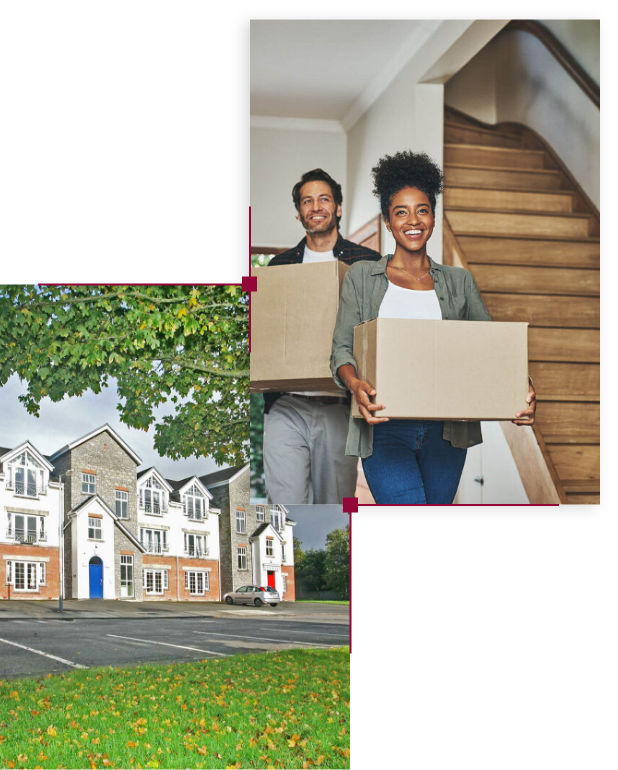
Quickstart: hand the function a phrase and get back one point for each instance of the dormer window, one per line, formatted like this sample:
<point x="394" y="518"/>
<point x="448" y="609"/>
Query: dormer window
<point x="276" y="517"/>
<point x="26" y="475"/>
<point x="152" y="497"/>
<point x="195" y="503"/>
<point x="259" y="513"/>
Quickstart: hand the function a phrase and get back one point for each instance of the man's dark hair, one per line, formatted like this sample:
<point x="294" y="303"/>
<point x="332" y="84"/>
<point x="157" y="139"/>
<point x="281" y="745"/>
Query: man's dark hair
<point x="406" y="169"/>
<point x="318" y="175"/>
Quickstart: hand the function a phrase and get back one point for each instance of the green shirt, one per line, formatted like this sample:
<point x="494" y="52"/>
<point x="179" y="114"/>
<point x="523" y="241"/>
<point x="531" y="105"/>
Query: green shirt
<point x="363" y="290"/>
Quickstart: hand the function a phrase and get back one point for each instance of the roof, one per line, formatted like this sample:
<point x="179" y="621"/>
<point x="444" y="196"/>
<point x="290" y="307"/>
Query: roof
<point x="92" y="434"/>
<point x="262" y="528"/>
<point x="220" y="477"/>
<point x="178" y="485"/>
<point x="141" y="473"/>
<point x="117" y="522"/>
<point x="30" y="446"/>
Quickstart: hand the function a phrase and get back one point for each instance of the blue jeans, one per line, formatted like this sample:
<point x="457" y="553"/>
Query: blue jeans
<point x="412" y="464"/>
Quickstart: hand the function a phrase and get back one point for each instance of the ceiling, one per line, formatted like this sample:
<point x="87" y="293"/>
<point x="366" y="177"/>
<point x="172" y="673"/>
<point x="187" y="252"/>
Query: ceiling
<point x="322" y="69"/>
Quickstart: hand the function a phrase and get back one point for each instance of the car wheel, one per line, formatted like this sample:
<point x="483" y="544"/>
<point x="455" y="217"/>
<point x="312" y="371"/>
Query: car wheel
<point x="273" y="605"/>
<point x="229" y="600"/>
<point x="258" y="602"/>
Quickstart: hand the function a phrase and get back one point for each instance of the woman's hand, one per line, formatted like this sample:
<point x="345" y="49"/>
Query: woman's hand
<point x="528" y="413"/>
<point x="362" y="392"/>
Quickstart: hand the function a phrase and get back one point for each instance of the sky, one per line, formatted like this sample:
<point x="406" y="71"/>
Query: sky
<point x="69" y="419"/>
<point x="314" y="522"/>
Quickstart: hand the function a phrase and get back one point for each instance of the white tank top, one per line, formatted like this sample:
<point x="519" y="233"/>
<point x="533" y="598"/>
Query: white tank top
<point x="407" y="303"/>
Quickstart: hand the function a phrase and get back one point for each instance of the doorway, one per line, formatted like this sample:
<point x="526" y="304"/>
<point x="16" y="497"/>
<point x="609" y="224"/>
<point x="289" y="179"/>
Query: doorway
<point x="271" y="579"/>
<point x="95" y="568"/>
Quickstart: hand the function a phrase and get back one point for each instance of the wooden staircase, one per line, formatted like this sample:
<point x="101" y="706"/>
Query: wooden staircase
<point x="530" y="236"/>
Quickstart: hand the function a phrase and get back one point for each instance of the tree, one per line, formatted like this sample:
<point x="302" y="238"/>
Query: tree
<point x="298" y="552"/>
<point x="337" y="562"/>
<point x="188" y="344"/>
<point x="310" y="574"/>
<point x="258" y="483"/>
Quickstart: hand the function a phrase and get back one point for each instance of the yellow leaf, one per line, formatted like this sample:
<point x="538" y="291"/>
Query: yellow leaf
<point x="51" y="730"/>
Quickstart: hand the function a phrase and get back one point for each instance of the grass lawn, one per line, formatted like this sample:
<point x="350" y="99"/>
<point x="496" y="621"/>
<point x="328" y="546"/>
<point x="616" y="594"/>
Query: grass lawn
<point x="325" y="601"/>
<point x="289" y="709"/>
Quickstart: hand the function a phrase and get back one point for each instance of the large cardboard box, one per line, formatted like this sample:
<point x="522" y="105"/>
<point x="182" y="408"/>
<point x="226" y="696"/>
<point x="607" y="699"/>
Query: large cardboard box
<point x="293" y="315"/>
<point x="444" y="370"/>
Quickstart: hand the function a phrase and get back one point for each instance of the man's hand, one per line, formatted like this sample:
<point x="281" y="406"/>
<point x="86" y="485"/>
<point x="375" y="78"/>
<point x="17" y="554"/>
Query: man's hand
<point x="528" y="413"/>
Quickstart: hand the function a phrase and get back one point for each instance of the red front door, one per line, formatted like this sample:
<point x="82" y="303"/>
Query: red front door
<point x="271" y="579"/>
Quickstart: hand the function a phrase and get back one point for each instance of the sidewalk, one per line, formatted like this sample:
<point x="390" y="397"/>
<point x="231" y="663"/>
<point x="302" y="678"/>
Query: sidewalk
<point x="95" y="609"/>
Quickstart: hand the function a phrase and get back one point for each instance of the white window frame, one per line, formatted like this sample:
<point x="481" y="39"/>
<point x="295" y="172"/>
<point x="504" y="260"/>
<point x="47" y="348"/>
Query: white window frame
<point x="124" y="503"/>
<point x="195" y="503"/>
<point x="30" y="466"/>
<point x="276" y="518"/>
<point x="29" y="569"/>
<point x="270" y="547"/>
<point x="96" y="525"/>
<point x="159" y="576"/>
<point x="156" y="505"/>
<point x="27" y="530"/>
<point x="241" y="554"/>
<point x="89" y="480"/>
<point x="284" y="579"/>
<point x="197" y="582"/>
<point x="241" y="522"/>
<point x="42" y="574"/>
<point x="126" y="561"/>
<point x="260" y="513"/>
<point x="200" y="544"/>
<point x="148" y="538"/>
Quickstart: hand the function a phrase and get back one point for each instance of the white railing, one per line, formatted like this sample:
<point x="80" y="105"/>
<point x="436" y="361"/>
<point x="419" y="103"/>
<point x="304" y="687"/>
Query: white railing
<point x="20" y="537"/>
<point x="155" y="547"/>
<point x="156" y="508"/>
<point x="28" y="490"/>
<point x="197" y="551"/>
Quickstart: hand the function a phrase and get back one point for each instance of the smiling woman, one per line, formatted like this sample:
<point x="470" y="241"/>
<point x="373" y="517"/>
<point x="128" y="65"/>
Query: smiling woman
<point x="407" y="461"/>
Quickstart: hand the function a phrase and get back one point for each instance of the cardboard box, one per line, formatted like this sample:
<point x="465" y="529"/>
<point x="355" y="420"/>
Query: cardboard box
<point x="444" y="370"/>
<point x="293" y="315"/>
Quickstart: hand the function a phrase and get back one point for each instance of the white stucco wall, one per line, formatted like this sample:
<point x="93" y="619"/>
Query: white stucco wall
<point x="47" y="504"/>
<point x="279" y="157"/>
<point x="86" y="549"/>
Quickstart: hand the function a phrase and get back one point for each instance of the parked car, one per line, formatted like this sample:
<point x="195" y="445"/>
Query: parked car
<point x="257" y="595"/>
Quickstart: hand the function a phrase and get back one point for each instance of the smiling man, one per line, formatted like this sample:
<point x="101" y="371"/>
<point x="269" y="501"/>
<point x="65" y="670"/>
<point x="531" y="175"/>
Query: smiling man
<point x="305" y="433"/>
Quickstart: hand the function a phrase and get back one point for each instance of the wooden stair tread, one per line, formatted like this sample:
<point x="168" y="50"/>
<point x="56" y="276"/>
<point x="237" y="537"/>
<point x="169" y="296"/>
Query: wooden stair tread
<point x="551" y="438"/>
<point x="494" y="132"/>
<point x="566" y="397"/>
<point x="567" y="214"/>
<point x="478" y="167"/>
<point x="485" y="188"/>
<point x="489" y="148"/>
<point x="525" y="237"/>
<point x="580" y="485"/>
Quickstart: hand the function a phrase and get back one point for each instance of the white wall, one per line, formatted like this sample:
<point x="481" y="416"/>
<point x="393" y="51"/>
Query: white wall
<point x="86" y="549"/>
<point x="581" y="39"/>
<point x="515" y="78"/>
<point x="279" y="157"/>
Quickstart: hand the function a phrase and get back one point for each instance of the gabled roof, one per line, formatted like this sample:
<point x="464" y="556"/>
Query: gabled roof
<point x="262" y="528"/>
<point x="95" y="498"/>
<point x="179" y="487"/>
<point x="92" y="434"/>
<point x="223" y="477"/>
<point x="152" y="471"/>
<point x="6" y="454"/>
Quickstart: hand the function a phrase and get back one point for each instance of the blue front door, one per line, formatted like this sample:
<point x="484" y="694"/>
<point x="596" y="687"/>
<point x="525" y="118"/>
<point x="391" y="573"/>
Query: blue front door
<point x="96" y="578"/>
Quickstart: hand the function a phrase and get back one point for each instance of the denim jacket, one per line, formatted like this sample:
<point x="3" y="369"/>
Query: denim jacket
<point x="363" y="290"/>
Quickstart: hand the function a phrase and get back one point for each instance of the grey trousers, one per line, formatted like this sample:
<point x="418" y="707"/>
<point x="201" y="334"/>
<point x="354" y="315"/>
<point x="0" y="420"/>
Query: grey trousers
<point x="304" y="453"/>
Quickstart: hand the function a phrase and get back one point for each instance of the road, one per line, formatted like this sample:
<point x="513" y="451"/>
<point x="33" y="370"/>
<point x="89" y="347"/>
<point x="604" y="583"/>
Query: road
<point x="36" y="647"/>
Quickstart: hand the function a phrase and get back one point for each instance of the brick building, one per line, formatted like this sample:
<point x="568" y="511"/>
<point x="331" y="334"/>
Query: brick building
<point x="130" y="534"/>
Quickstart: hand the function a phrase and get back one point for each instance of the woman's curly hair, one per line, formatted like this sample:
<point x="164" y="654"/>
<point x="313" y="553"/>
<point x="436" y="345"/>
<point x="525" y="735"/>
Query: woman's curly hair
<point x="406" y="169"/>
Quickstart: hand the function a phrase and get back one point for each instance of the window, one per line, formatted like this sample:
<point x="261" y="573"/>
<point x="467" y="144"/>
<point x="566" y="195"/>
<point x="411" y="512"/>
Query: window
<point x="242" y="557"/>
<point x="269" y="547"/>
<point x="152" y="497"/>
<point x="196" y="583"/>
<point x="276" y="517"/>
<point x="154" y="540"/>
<point x="25" y="575"/>
<point x="122" y="504"/>
<point x="26" y="528"/>
<point x="259" y="513"/>
<point x="285" y="582"/>
<point x="240" y="521"/>
<point x="89" y="484"/>
<point x="195" y="503"/>
<point x="26" y="475"/>
<point x="156" y="581"/>
<point x="195" y="545"/>
<point x="126" y="575"/>
<point x="95" y="531"/>
<point x="283" y="552"/>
